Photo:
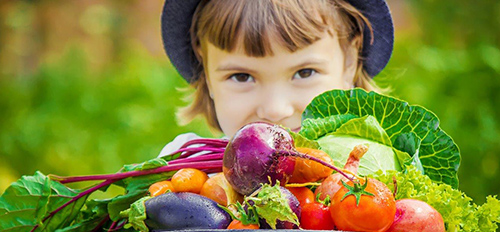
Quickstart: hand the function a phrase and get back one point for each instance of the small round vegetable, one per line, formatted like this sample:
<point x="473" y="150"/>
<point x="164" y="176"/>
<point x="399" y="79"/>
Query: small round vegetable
<point x="189" y="180"/>
<point x="184" y="210"/>
<point x="218" y="189"/>
<point x="316" y="216"/>
<point x="365" y="206"/>
<point x="257" y="153"/>
<point x="303" y="194"/>
<point x="260" y="152"/>
<point x="416" y="215"/>
<point x="238" y="225"/>
<point x="160" y="187"/>
<point x="308" y="170"/>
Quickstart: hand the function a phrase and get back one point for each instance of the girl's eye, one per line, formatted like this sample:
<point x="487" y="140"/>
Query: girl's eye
<point x="304" y="73"/>
<point x="241" y="77"/>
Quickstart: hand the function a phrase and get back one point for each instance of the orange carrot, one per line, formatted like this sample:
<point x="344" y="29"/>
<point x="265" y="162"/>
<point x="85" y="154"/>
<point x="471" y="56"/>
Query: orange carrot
<point x="160" y="187"/>
<point x="308" y="170"/>
<point x="189" y="180"/>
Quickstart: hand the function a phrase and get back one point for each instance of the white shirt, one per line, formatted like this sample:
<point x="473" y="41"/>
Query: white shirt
<point x="177" y="143"/>
<point x="181" y="140"/>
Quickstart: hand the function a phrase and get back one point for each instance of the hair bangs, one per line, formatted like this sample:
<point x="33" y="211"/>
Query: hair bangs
<point x="292" y="24"/>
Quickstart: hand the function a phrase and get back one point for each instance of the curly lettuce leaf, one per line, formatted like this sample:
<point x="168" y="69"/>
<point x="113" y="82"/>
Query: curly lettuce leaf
<point x="411" y="129"/>
<point x="458" y="210"/>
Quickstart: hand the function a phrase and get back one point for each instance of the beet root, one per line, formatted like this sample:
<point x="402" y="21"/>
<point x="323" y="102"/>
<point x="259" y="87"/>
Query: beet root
<point x="257" y="153"/>
<point x="416" y="215"/>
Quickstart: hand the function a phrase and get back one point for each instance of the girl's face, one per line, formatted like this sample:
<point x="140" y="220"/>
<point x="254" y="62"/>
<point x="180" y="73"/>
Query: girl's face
<point x="277" y="88"/>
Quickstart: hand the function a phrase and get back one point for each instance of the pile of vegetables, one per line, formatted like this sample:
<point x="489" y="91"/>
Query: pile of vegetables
<point x="399" y="173"/>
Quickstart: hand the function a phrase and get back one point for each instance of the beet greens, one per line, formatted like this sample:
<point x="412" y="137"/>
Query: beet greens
<point x="42" y="202"/>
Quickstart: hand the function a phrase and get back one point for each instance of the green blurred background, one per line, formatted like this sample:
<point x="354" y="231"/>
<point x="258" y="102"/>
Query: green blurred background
<point x="85" y="86"/>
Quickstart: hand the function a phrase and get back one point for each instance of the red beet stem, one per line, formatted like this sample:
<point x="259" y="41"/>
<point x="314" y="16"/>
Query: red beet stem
<point x="99" y="226"/>
<point x="193" y="150"/>
<point x="123" y="175"/>
<point x="215" y="156"/>
<point x="305" y="156"/>
<point x="75" y="198"/>
<point x="113" y="225"/>
<point x="208" y="142"/>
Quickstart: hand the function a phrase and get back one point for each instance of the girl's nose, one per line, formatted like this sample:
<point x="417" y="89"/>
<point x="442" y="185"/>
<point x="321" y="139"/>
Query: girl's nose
<point x="275" y="106"/>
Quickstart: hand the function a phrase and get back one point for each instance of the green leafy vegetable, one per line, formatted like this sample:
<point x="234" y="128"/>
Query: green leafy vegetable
<point x="136" y="187"/>
<point x="93" y="215"/>
<point x="271" y="204"/>
<point x="458" y="211"/>
<point x="400" y="127"/>
<point x="301" y="141"/>
<point x="364" y="130"/>
<point x="246" y="216"/>
<point x="44" y="203"/>
<point x="28" y="202"/>
<point x="314" y="128"/>
<point x="136" y="215"/>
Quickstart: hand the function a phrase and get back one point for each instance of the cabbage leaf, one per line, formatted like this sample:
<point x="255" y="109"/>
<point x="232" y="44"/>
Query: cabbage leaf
<point x="399" y="134"/>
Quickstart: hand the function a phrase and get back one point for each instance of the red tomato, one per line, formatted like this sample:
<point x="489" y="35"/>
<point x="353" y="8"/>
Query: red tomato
<point x="303" y="194"/>
<point x="237" y="225"/>
<point x="316" y="216"/>
<point x="373" y="213"/>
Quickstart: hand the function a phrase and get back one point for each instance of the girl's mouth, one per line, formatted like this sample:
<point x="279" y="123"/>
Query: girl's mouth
<point x="296" y="129"/>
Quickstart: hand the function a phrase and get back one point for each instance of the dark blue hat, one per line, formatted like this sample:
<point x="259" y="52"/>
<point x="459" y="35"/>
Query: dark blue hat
<point x="177" y="17"/>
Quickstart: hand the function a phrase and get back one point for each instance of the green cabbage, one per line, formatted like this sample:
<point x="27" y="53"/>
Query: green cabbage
<point x="398" y="134"/>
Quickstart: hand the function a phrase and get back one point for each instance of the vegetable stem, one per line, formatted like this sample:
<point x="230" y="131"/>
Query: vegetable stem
<point x="122" y="175"/>
<point x="193" y="150"/>
<point x="207" y="142"/>
<point x="101" y="223"/>
<point x="211" y="142"/>
<point x="305" y="156"/>
<point x="215" y="156"/>
<point x="80" y="195"/>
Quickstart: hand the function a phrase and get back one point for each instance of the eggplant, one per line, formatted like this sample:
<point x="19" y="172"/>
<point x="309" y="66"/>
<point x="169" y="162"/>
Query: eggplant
<point x="184" y="210"/>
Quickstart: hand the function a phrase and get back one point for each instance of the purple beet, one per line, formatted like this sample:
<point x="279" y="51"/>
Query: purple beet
<point x="261" y="153"/>
<point x="256" y="154"/>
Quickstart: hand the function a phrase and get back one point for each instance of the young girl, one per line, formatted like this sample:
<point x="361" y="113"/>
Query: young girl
<point x="265" y="60"/>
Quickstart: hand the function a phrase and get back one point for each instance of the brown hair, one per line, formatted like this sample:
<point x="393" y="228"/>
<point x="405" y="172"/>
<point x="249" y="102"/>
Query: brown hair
<point x="295" y="23"/>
